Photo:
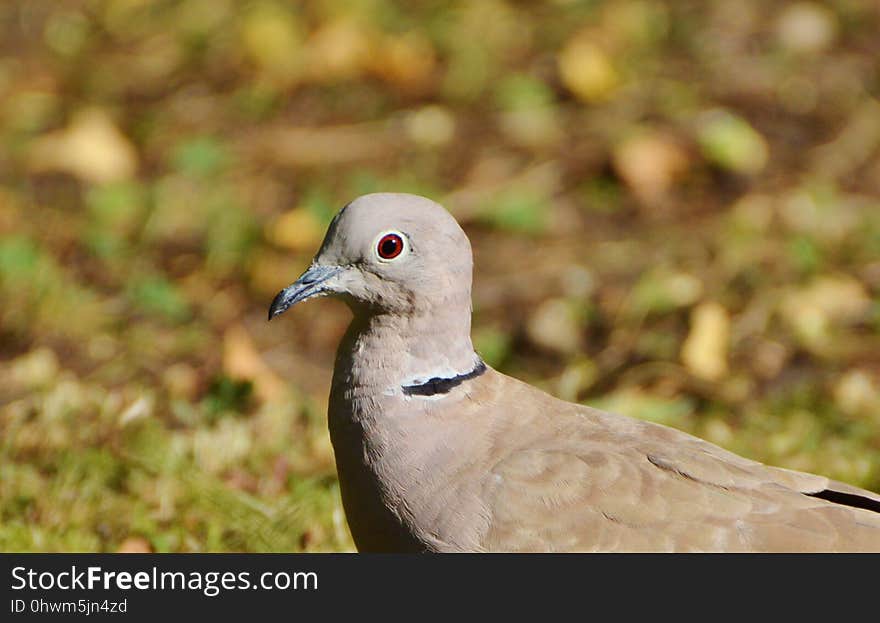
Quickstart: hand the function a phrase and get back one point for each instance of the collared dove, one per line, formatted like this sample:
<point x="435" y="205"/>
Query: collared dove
<point x="438" y="452"/>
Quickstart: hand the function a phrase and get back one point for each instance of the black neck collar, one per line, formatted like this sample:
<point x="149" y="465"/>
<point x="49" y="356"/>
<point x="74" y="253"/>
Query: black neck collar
<point x="440" y="385"/>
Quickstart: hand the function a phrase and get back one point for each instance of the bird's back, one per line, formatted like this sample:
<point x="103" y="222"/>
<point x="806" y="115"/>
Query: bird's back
<point x="585" y="480"/>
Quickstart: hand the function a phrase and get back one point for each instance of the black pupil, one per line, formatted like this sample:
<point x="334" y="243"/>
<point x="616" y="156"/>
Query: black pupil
<point x="389" y="246"/>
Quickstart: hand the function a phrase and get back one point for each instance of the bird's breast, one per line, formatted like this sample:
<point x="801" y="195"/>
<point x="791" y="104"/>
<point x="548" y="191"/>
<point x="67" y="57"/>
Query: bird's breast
<point x="400" y="471"/>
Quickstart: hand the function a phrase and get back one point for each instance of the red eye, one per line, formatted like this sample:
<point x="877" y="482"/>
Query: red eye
<point x="390" y="246"/>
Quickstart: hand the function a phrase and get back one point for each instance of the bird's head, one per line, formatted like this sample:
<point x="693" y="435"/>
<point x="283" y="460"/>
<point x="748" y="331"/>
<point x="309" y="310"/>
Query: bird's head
<point x="388" y="253"/>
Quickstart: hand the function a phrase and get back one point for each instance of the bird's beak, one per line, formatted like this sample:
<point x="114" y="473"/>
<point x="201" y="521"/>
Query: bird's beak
<point x="311" y="283"/>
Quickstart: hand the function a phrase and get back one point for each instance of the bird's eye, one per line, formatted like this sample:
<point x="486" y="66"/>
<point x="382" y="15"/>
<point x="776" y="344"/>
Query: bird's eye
<point x="389" y="246"/>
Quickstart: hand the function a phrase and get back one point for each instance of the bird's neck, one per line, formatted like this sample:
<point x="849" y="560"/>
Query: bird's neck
<point x="382" y="434"/>
<point x="383" y="353"/>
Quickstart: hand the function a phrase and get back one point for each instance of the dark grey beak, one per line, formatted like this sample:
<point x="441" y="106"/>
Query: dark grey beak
<point x="311" y="283"/>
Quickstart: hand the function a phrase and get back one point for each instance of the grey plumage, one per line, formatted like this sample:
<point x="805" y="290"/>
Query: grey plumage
<point x="474" y="460"/>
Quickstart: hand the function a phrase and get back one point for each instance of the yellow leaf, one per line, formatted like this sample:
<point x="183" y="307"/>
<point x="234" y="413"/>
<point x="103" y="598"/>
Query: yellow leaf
<point x="91" y="148"/>
<point x="241" y="360"/>
<point x="135" y="545"/>
<point x="649" y="163"/>
<point x="297" y="229"/>
<point x="272" y="38"/>
<point x="587" y="71"/>
<point x="705" y="350"/>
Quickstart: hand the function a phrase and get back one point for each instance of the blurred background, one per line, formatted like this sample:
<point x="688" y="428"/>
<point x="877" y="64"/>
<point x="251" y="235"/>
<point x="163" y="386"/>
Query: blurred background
<point x="674" y="207"/>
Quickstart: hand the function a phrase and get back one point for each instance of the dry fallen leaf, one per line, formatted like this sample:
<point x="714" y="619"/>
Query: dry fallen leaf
<point x="829" y="301"/>
<point x="91" y="148"/>
<point x="38" y="368"/>
<point x="339" y="50"/>
<point x="705" y="349"/>
<point x="241" y="360"/>
<point x="406" y="61"/>
<point x="806" y="27"/>
<point x="297" y="230"/>
<point x="649" y="163"/>
<point x="272" y="38"/>
<point x="586" y="70"/>
<point x="135" y="545"/>
<point x="858" y="392"/>
<point x="431" y="126"/>
<point x="555" y="327"/>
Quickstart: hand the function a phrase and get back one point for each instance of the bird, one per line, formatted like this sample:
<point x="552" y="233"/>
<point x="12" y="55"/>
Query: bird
<point x="436" y="451"/>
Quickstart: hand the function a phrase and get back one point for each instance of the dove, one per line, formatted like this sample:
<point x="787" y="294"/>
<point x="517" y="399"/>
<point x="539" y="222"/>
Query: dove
<point x="436" y="451"/>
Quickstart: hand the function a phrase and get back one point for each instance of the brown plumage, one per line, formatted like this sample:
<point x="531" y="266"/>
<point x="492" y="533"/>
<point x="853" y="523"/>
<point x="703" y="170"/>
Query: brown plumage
<point x="438" y="452"/>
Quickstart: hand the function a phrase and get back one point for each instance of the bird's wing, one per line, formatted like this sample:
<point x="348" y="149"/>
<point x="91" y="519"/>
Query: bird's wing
<point x="598" y="482"/>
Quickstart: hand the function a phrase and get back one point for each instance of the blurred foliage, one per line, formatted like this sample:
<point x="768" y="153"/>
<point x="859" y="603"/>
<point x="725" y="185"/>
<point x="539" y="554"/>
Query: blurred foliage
<point x="675" y="210"/>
